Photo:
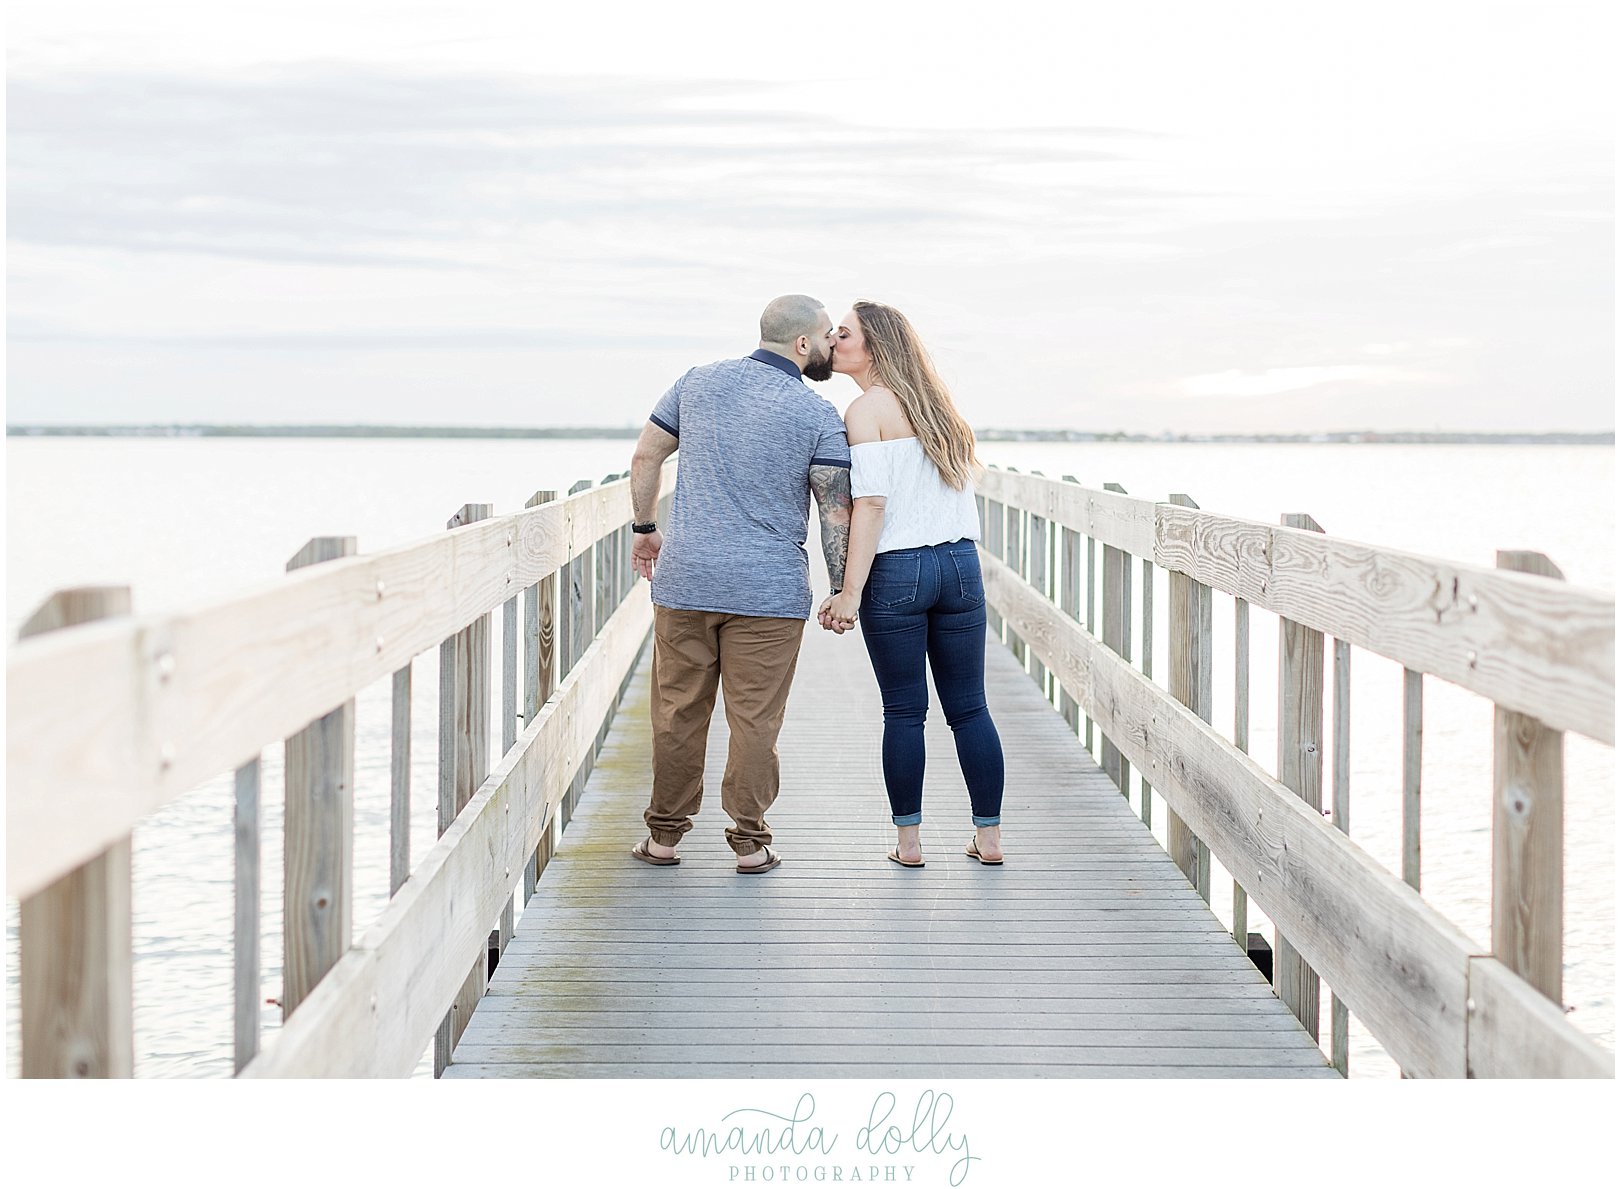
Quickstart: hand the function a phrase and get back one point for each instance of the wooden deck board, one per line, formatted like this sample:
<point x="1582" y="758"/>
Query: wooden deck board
<point x="1087" y="955"/>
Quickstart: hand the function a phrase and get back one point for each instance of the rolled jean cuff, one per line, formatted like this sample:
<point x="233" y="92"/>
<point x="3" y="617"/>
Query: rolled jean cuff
<point x="907" y="819"/>
<point x="981" y="822"/>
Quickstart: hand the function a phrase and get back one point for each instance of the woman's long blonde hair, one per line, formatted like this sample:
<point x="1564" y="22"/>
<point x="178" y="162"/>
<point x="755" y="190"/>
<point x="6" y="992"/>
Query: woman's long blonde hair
<point x="901" y="365"/>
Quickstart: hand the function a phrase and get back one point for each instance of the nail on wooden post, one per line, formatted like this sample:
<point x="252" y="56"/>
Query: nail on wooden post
<point x="540" y="660"/>
<point x="1116" y="635"/>
<point x="1340" y="1015"/>
<point x="464" y="762"/>
<point x="76" y="948"/>
<point x="1528" y="826"/>
<point x="245" y="1011"/>
<point x="318" y="837"/>
<point x="1069" y="601"/>
<point x="1188" y="678"/>
<point x="1300" y="767"/>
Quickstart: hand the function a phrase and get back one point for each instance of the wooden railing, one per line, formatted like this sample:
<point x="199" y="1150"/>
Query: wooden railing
<point x="110" y="717"/>
<point x="1541" y="650"/>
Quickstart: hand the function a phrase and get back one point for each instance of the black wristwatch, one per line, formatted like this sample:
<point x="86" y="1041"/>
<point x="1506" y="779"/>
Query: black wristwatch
<point x="650" y="527"/>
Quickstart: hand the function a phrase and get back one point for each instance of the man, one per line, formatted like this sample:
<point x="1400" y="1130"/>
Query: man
<point x="731" y="592"/>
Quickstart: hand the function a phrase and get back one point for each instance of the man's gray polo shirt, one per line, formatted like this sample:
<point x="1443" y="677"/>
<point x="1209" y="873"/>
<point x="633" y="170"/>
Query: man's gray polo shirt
<point x="749" y="432"/>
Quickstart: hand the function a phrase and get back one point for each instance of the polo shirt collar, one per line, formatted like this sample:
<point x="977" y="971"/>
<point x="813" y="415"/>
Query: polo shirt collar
<point x="776" y="360"/>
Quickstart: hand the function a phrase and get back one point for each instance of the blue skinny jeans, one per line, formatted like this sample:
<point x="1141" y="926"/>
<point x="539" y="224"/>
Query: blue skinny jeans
<point x="930" y="602"/>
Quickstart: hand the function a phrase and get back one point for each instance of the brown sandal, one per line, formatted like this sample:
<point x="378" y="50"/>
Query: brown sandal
<point x="641" y="852"/>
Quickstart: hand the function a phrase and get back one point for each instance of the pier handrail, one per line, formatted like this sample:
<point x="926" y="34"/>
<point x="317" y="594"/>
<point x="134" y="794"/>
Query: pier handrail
<point x="110" y="720"/>
<point x="1539" y="648"/>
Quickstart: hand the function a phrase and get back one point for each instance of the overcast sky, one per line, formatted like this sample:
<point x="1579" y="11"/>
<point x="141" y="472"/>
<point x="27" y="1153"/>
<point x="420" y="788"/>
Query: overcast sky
<point x="1258" y="216"/>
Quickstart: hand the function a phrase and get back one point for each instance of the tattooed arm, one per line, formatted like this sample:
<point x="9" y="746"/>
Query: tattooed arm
<point x="646" y="470"/>
<point x="831" y="487"/>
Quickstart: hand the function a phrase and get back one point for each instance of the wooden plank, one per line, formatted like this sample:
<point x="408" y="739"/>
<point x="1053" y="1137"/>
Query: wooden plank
<point x="399" y="796"/>
<point x="1400" y="965"/>
<point x="1300" y="767"/>
<point x="318" y="843"/>
<point x="1515" y="1032"/>
<point x="464" y="759"/>
<point x="1340" y="1016"/>
<point x="246" y="972"/>
<point x="1116" y="635"/>
<point x="109" y="722"/>
<point x="1528" y="833"/>
<point x="1412" y="769"/>
<point x="1524" y="641"/>
<point x="1241" y="740"/>
<point x="1189" y="677"/>
<point x="581" y="631"/>
<point x="509" y="674"/>
<point x="75" y="942"/>
<point x="1091" y="612"/>
<point x="887" y="1067"/>
<point x="372" y="1016"/>
<point x="1121" y="521"/>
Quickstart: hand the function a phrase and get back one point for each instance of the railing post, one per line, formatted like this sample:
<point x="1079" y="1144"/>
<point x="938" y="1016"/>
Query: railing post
<point x="1116" y="635"/>
<point x="1069" y="601"/>
<point x="399" y="799"/>
<point x="1300" y="767"/>
<point x="580" y="617"/>
<point x="1147" y="792"/>
<point x="1528" y="825"/>
<point x="1041" y="579"/>
<point x="245" y="1012"/>
<point x="1412" y="778"/>
<point x="76" y="949"/>
<point x="1241" y="740"/>
<point x="994" y="530"/>
<point x="1339" y="1014"/>
<point x="1013" y="555"/>
<point x="1189" y="680"/>
<point x="1091" y="611"/>
<point x="540" y="663"/>
<point x="318" y="836"/>
<point x="464" y="762"/>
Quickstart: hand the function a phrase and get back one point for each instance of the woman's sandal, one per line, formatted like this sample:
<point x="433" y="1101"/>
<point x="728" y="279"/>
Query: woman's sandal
<point x="895" y="857"/>
<point x="972" y="851"/>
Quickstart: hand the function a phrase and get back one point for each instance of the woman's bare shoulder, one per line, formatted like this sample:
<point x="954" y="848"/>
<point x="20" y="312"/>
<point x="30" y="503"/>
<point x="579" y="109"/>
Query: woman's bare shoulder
<point x="884" y="407"/>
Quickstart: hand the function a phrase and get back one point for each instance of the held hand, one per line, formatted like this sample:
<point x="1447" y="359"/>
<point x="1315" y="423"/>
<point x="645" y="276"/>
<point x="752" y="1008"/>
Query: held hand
<point x="838" y="613"/>
<point x="644" y="551"/>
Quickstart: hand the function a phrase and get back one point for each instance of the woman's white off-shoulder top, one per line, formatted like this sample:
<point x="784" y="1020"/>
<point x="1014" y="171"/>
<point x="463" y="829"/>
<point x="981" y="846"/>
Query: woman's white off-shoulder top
<point x="920" y="508"/>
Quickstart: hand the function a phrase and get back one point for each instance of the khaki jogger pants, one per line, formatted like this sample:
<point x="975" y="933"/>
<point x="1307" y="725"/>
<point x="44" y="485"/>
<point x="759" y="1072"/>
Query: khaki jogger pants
<point x="754" y="658"/>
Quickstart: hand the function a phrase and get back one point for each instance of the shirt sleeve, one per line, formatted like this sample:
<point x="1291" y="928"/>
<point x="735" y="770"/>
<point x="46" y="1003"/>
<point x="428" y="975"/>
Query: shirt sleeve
<point x="667" y="413"/>
<point x="869" y="472"/>
<point x="832" y="447"/>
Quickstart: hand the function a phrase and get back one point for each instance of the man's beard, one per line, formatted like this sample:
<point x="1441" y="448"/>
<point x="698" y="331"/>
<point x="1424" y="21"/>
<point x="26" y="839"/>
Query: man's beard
<point x="821" y="370"/>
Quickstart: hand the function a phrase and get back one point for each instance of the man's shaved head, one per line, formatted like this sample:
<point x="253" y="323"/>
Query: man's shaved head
<point x="786" y="318"/>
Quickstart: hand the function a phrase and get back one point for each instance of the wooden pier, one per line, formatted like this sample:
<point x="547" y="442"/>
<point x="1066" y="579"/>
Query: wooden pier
<point x="1086" y="955"/>
<point x="1093" y="952"/>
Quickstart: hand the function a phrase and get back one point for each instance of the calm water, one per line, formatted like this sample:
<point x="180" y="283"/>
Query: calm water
<point x="189" y="521"/>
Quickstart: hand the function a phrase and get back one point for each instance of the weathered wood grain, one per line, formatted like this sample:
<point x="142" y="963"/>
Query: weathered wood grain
<point x="1300" y="768"/>
<point x="380" y="1006"/>
<point x="1528" y="833"/>
<point x="1190" y="679"/>
<point x="108" y="722"/>
<point x="1118" y="520"/>
<point x="1526" y="642"/>
<point x="247" y="882"/>
<point x="1515" y="1032"/>
<point x="1116" y="635"/>
<point x="318" y="839"/>
<point x="399" y="780"/>
<point x="75" y="945"/>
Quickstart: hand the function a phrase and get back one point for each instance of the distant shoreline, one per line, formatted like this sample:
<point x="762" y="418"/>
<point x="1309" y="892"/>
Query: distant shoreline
<point x="1344" y="437"/>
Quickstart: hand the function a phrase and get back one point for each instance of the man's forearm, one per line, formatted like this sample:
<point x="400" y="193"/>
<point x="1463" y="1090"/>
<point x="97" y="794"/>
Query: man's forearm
<point x="645" y="475"/>
<point x="831" y="487"/>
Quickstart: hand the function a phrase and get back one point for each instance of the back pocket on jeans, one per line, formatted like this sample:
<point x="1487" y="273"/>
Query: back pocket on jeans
<point x="969" y="577"/>
<point x="894" y="579"/>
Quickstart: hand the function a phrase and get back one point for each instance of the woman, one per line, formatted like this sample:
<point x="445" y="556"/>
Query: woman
<point x="912" y="576"/>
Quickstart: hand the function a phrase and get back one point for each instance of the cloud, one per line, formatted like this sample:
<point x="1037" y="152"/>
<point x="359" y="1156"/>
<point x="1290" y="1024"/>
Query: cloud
<point x="1273" y="381"/>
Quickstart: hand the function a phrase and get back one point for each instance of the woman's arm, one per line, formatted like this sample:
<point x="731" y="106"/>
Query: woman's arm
<point x="866" y="526"/>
